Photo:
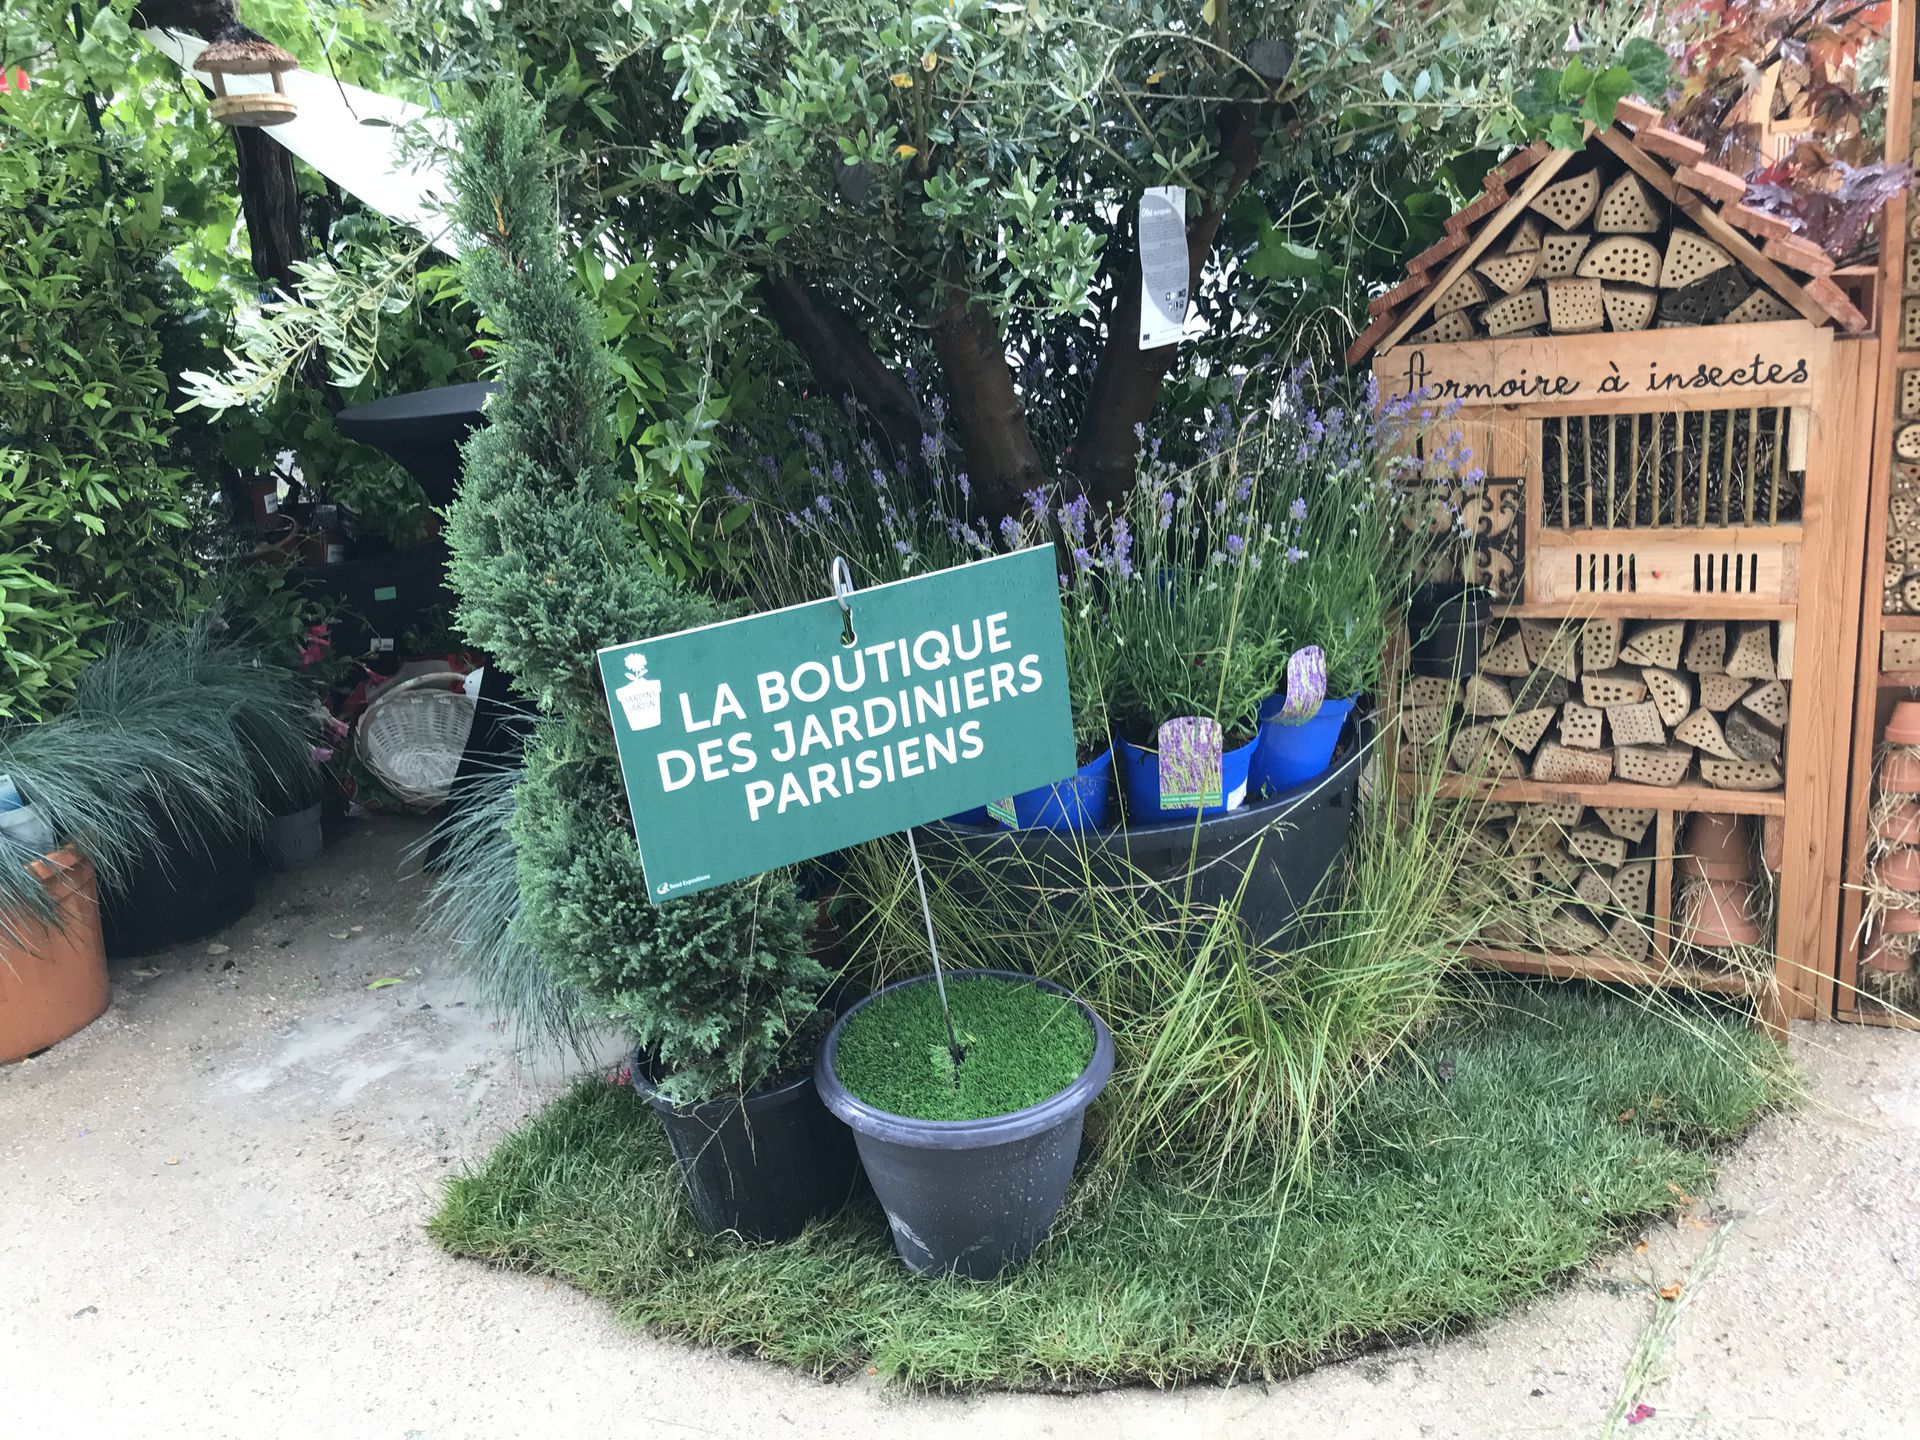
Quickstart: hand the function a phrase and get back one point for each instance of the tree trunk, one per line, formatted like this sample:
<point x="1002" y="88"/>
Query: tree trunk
<point x="1126" y="383"/>
<point x="843" y="362"/>
<point x="1002" y="463"/>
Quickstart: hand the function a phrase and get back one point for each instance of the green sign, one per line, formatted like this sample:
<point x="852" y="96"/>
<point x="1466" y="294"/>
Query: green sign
<point x="754" y="743"/>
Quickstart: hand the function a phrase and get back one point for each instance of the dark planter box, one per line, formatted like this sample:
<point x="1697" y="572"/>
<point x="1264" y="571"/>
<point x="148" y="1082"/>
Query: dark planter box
<point x="1284" y="849"/>
<point x="183" y="893"/>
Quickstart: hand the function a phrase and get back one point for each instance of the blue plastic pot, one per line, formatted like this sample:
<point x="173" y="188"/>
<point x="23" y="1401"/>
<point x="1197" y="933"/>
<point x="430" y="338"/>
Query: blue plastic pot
<point x="1083" y="801"/>
<point x="1293" y="754"/>
<point x="1140" y="777"/>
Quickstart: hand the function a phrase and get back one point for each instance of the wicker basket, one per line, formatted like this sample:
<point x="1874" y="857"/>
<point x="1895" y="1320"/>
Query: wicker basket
<point x="413" y="734"/>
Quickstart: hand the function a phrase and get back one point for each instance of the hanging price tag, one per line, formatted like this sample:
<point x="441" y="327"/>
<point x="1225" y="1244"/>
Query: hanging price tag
<point x="1163" y="265"/>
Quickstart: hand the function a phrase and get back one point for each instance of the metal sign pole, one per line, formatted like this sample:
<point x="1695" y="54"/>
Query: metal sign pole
<point x="840" y="576"/>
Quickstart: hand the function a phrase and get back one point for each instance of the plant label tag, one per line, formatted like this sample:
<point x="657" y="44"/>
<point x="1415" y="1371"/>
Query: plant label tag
<point x="1190" y="758"/>
<point x="1002" y="810"/>
<point x="1306" y="685"/>
<point x="386" y="592"/>
<point x="765" y="740"/>
<point x="1163" y="265"/>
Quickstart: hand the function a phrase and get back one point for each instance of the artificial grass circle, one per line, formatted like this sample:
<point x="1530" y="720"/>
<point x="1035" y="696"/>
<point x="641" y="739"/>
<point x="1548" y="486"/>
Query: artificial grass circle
<point x="1019" y="1043"/>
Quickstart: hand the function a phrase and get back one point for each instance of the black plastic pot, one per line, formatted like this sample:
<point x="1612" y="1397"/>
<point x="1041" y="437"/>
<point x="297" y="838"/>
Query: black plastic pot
<point x="763" y="1166"/>
<point x="184" y="892"/>
<point x="1271" y="858"/>
<point x="1445" y="624"/>
<point x="970" y="1197"/>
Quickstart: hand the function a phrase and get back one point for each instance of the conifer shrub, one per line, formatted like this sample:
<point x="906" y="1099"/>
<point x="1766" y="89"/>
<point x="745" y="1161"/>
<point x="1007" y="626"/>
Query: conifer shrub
<point x="713" y="985"/>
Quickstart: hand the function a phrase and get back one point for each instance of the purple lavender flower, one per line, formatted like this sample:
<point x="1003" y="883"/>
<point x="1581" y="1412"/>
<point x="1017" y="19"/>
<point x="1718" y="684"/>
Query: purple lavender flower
<point x="736" y="494"/>
<point x="1009" y="530"/>
<point x="1082" y="558"/>
<point x="1036" y="499"/>
<point x="1139" y="430"/>
<point x="965" y="484"/>
<point x="823" y="504"/>
<point x="1298" y="509"/>
<point x="937" y="408"/>
<point x="1073" y="518"/>
<point x="838" y="473"/>
<point x="1295" y="554"/>
<point x="813" y="440"/>
<point x="1121" y="554"/>
<point x="902" y="547"/>
<point x="929" y="446"/>
<point x="1235" y="545"/>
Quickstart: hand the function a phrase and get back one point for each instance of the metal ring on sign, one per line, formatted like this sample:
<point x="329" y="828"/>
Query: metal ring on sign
<point x="840" y="576"/>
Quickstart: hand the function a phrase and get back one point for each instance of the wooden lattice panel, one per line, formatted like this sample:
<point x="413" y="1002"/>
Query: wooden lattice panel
<point x="1695" y="469"/>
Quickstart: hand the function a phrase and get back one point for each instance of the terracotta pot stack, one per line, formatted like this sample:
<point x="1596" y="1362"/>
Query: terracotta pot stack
<point x="1716" y="908"/>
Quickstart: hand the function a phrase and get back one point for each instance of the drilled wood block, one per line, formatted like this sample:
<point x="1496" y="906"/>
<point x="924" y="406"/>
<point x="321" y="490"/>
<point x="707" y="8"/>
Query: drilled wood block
<point x="1629" y="822"/>
<point x="1751" y="737"/>
<point x="1556" y="871"/>
<point x="1600" y="644"/>
<point x="1629" y="307"/>
<point x="1662" y="765"/>
<point x="1707" y="300"/>
<point x="1598" y="847"/>
<point x="1672" y="693"/>
<point x="1523" y="310"/>
<point x="1465" y="291"/>
<point x="1637" y="724"/>
<point x="1449" y="329"/>
<point x="1739" y="775"/>
<point x="1576" y="307"/>
<point x="1624" y="260"/>
<point x="1633" y="885"/>
<point x="1486" y="697"/>
<point x="1910" y="385"/>
<point x="1420" y="758"/>
<point x="1612" y="687"/>
<point x="1477" y="750"/>
<point x="1702" y="731"/>
<point x="1629" y="939"/>
<point x="1719" y="692"/>
<point x="1690" y="257"/>
<point x="1507" y="655"/>
<point x="1900" y="650"/>
<point x="1559" y="765"/>
<point x="1511" y="271"/>
<point x="1627" y="208"/>
<point x="1595" y="888"/>
<point x="1536" y="834"/>
<point x="1524" y="728"/>
<point x="1567" y="932"/>
<point x="1760" y="307"/>
<point x="1542" y="687"/>
<point x="1654" y="644"/>
<point x="1553" y="645"/>
<point x="1582" y="727"/>
<point x="1560" y="256"/>
<point x="1751" y="654"/>
<point x="1422" y="724"/>
<point x="1706" y="651"/>
<point x="1567" y="203"/>
<point x="1768" y="701"/>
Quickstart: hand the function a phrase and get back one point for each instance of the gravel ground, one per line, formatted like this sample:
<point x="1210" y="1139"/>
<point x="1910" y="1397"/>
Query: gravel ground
<point x="213" y="1201"/>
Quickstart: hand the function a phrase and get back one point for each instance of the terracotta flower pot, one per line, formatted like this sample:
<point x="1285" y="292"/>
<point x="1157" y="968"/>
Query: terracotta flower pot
<point x="1882" y="957"/>
<point x="1903" y="726"/>
<point x="1717" y="848"/>
<point x="1899" y="870"/>
<point x="1717" y="915"/>
<point x="1773" y="842"/>
<point x="53" y="981"/>
<point x="1900" y="773"/>
<point x="1900" y="826"/>
<point x="1900" y="922"/>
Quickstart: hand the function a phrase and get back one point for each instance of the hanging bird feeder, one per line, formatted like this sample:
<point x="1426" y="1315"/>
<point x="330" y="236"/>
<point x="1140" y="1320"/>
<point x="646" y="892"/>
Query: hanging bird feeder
<point x="250" y="56"/>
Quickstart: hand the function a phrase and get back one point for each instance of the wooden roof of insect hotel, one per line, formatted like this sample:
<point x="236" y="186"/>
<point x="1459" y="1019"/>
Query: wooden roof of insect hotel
<point x="1634" y="231"/>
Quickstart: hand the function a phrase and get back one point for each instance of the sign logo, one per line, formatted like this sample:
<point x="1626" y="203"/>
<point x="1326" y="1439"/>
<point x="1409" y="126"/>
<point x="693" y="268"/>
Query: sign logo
<point x="791" y="734"/>
<point x="640" y="697"/>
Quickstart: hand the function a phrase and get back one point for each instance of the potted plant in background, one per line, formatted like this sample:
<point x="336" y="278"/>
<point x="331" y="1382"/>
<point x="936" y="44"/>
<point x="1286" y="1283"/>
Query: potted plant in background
<point x="717" y="988"/>
<point x="968" y="1135"/>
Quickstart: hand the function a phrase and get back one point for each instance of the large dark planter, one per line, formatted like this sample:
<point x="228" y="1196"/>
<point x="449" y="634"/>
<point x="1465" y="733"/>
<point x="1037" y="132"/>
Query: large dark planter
<point x="762" y="1166"/>
<point x="184" y="892"/>
<point x="1445" y="625"/>
<point x="1271" y="857"/>
<point x="970" y="1197"/>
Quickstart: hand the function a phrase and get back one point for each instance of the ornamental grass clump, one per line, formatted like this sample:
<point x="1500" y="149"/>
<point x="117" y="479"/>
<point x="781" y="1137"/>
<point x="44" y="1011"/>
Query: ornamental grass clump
<point x="715" y="986"/>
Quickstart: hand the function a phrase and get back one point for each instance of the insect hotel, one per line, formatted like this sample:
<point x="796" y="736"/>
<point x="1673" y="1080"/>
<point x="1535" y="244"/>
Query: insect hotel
<point x="1669" y="396"/>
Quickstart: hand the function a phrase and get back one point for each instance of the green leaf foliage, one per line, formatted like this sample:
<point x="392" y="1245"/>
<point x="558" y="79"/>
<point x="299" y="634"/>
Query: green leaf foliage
<point x="711" y="985"/>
